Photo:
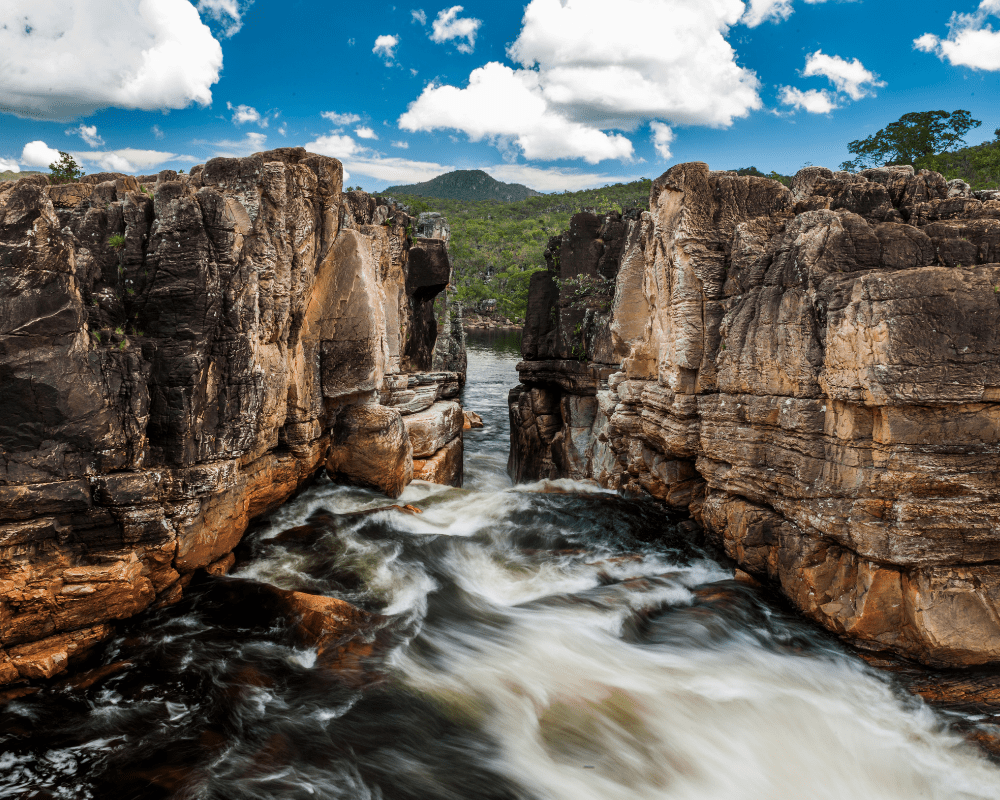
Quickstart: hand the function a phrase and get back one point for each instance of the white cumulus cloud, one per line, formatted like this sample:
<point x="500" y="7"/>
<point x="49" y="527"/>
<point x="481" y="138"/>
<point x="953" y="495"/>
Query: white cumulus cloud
<point x="849" y="77"/>
<point x="228" y="13"/>
<point x="401" y="145"/>
<point x="38" y="154"/>
<point x="253" y="142"/>
<point x="575" y="89"/>
<point x="418" y="16"/>
<point x="394" y="170"/>
<point x="971" y="40"/>
<point x="449" y="26"/>
<point x="126" y="159"/>
<point x="761" y="11"/>
<point x="6" y="165"/>
<point x="385" y="47"/>
<point x="88" y="133"/>
<point x="157" y="131"/>
<point x="244" y="113"/>
<point x="552" y="179"/>
<point x="340" y="119"/>
<point x="364" y="132"/>
<point x="61" y="60"/>
<point x="815" y="101"/>
<point x="662" y="137"/>
<point x="333" y="144"/>
<point x="503" y="103"/>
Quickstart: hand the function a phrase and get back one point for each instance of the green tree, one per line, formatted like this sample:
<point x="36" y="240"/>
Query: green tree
<point x="65" y="170"/>
<point x="913" y="136"/>
<point x="979" y="165"/>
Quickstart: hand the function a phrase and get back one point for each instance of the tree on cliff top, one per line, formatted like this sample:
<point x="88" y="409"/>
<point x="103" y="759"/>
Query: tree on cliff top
<point x="65" y="170"/>
<point x="913" y="136"/>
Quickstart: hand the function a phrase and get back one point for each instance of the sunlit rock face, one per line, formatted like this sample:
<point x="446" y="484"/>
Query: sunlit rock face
<point x="813" y="372"/>
<point x="179" y="356"/>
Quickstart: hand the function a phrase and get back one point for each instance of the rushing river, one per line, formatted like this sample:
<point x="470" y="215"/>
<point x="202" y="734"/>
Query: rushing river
<point x="547" y="641"/>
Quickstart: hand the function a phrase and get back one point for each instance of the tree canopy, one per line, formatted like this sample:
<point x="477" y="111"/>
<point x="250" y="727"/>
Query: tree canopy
<point x="913" y="136"/>
<point x="495" y="247"/>
<point x="65" y="170"/>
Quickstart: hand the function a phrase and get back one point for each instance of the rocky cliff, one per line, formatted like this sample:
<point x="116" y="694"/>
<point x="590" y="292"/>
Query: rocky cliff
<point x="813" y="372"/>
<point x="180" y="356"/>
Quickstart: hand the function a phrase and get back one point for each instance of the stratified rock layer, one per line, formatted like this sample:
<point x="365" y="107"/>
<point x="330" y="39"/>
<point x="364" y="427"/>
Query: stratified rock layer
<point x="180" y="356"/>
<point x="814" y="372"/>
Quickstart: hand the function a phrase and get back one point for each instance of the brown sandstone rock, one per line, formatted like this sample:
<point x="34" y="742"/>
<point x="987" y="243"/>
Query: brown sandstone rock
<point x="432" y="429"/>
<point x="472" y="420"/>
<point x="370" y="447"/>
<point x="160" y="394"/>
<point x="813" y="374"/>
<point x="444" y="467"/>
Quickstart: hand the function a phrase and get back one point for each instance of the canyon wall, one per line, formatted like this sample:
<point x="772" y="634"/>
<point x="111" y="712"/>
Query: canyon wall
<point x="179" y="356"/>
<point x="813" y="372"/>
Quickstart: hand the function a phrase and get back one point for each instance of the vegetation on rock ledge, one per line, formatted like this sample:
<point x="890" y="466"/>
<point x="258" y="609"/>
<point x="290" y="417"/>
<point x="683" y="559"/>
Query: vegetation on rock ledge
<point x="495" y="247"/>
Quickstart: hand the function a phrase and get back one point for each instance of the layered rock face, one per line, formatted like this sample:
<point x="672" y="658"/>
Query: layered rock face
<point x="178" y="357"/>
<point x="813" y="372"/>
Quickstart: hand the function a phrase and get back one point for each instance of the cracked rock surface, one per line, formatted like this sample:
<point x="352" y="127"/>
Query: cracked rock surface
<point x="813" y="372"/>
<point x="180" y="354"/>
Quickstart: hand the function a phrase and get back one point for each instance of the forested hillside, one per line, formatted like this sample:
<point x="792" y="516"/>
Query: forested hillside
<point x="495" y="247"/>
<point x="979" y="165"/>
<point x="466" y="184"/>
<point x="7" y="175"/>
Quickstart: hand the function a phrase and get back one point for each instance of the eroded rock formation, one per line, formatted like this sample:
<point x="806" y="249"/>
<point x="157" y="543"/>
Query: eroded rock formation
<point x="813" y="372"/>
<point x="180" y="356"/>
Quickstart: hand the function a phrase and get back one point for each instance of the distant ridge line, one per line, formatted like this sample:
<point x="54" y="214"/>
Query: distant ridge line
<point x="466" y="184"/>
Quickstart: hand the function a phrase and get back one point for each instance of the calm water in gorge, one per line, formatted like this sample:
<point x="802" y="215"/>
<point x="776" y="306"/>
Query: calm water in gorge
<point x="539" y="641"/>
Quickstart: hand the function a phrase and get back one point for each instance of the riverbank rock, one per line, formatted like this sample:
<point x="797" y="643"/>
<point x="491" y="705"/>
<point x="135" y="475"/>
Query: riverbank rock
<point x="444" y="467"/>
<point x="181" y="354"/>
<point x="432" y="429"/>
<point x="812" y="372"/>
<point x="370" y="447"/>
<point x="472" y="420"/>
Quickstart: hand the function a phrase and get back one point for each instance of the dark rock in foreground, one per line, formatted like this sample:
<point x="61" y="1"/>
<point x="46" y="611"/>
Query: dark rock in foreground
<point x="180" y="356"/>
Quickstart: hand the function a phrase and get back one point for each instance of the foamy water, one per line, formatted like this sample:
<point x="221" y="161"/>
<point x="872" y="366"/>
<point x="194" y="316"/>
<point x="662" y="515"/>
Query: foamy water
<point x="536" y="644"/>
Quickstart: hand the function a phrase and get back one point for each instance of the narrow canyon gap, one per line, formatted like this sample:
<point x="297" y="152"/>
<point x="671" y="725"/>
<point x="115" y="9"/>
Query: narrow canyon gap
<point x="399" y="632"/>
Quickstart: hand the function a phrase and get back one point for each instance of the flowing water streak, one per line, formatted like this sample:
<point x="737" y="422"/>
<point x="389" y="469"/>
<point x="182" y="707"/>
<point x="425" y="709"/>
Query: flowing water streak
<point x="543" y="641"/>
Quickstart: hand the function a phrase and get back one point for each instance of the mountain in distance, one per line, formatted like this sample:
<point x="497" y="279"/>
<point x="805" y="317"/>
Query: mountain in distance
<point x="466" y="184"/>
<point x="6" y="175"/>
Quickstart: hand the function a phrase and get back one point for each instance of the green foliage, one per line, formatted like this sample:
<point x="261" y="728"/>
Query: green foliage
<point x="65" y="170"/>
<point x="116" y="241"/>
<point x="7" y="175"/>
<point x="120" y="330"/>
<point x="979" y="165"/>
<point x="774" y="176"/>
<point x="466" y="184"/>
<point x="97" y="336"/>
<point x="496" y="247"/>
<point x="912" y="137"/>
<point x="587" y="291"/>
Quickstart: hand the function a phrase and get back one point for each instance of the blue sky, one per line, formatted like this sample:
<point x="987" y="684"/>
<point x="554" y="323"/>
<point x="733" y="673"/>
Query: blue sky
<point x="557" y="94"/>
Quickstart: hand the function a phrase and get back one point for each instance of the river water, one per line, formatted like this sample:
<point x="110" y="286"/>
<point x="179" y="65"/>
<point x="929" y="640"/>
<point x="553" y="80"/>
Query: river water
<point x="546" y="641"/>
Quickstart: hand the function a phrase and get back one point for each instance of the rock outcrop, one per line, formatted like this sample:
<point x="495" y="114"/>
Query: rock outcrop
<point x="814" y="372"/>
<point x="181" y="355"/>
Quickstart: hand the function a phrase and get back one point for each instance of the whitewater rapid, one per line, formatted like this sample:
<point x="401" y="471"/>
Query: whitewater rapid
<point x="544" y="641"/>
